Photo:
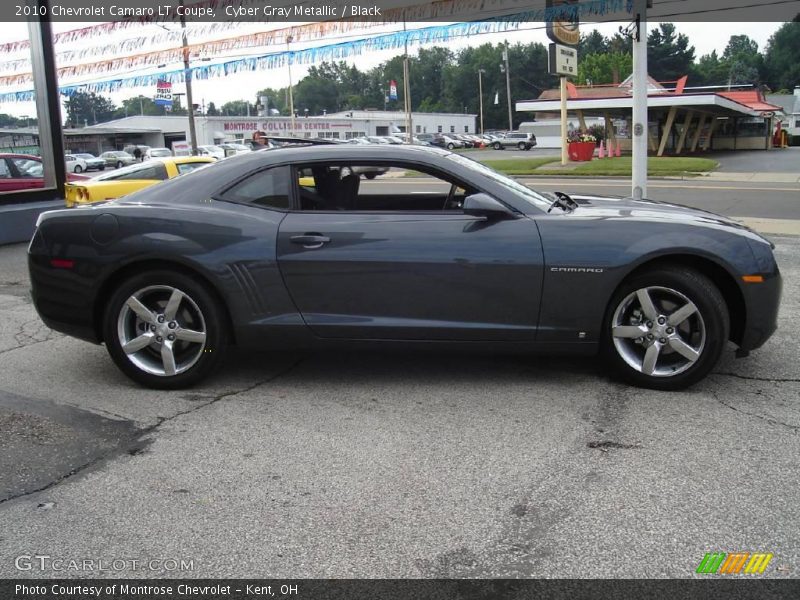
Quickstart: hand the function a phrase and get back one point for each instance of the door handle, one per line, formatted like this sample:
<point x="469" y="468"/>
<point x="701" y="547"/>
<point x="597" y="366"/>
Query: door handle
<point x="311" y="240"/>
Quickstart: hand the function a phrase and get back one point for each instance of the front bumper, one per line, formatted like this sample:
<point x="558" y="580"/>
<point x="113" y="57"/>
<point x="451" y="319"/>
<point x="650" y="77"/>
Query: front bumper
<point x="762" y="303"/>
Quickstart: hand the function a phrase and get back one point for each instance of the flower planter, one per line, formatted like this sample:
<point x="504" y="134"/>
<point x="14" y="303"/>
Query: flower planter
<point x="581" y="151"/>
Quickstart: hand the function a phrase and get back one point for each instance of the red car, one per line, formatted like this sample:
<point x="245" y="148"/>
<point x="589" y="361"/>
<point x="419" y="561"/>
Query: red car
<point x="24" y="172"/>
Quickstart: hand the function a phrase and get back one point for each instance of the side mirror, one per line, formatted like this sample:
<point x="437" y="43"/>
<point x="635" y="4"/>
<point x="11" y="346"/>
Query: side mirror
<point x="483" y="205"/>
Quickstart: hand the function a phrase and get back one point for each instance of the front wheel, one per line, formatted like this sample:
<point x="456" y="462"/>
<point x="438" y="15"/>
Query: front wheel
<point x="450" y="146"/>
<point x="497" y="146"/>
<point x="521" y="146"/>
<point x="102" y="167"/>
<point x="119" y="164"/>
<point x="665" y="329"/>
<point x="165" y="329"/>
<point x="77" y="169"/>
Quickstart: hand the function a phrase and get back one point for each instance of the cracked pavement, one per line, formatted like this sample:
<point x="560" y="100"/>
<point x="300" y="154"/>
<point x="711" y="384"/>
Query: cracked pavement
<point x="394" y="465"/>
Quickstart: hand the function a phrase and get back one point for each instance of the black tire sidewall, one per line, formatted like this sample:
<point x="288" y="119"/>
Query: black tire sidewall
<point x="711" y="305"/>
<point x="216" y="328"/>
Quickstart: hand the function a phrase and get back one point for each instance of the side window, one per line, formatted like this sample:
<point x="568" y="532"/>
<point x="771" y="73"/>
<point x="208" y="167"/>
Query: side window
<point x="158" y="172"/>
<point x="374" y="187"/>
<point x="189" y="167"/>
<point x="268" y="188"/>
<point x="4" y="171"/>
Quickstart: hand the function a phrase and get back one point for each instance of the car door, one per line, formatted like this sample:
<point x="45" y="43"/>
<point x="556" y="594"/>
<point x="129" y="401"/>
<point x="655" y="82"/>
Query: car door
<point x="412" y="274"/>
<point x="18" y="176"/>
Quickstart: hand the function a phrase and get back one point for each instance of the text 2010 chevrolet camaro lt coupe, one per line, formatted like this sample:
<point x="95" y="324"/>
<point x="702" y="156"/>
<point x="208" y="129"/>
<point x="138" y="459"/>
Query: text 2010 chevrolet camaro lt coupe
<point x="294" y="248"/>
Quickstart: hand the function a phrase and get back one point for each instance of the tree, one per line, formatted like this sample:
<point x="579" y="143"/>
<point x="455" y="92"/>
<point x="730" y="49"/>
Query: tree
<point x="669" y="54"/>
<point x="142" y="105"/>
<point x="88" y="108"/>
<point x="211" y="110"/>
<point x="782" y="57"/>
<point x="608" y="68"/>
<point x="745" y="64"/>
<point x="593" y="43"/>
<point x="710" y="70"/>
<point x="238" y="108"/>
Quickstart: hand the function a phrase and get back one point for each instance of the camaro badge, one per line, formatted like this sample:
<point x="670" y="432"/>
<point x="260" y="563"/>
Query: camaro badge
<point x="576" y="270"/>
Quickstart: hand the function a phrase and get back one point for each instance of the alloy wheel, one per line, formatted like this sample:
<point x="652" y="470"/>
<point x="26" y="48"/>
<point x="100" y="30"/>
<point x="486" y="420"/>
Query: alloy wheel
<point x="658" y="331"/>
<point x="161" y="330"/>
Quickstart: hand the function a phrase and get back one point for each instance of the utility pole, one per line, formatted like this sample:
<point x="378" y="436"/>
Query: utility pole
<point x="508" y="88"/>
<point x="564" y="127"/>
<point x="640" y="122"/>
<point x="187" y="75"/>
<point x="406" y="87"/>
<point x="480" y="94"/>
<point x="291" y="98"/>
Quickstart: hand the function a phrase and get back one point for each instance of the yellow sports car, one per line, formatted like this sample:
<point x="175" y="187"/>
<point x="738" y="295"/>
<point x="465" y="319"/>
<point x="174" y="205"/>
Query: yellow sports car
<point x="123" y="181"/>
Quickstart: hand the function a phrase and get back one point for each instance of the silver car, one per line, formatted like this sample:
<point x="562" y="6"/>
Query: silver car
<point x="515" y="139"/>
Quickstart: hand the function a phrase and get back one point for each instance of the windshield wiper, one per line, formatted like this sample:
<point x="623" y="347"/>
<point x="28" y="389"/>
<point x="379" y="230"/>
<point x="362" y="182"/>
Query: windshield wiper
<point x="563" y="201"/>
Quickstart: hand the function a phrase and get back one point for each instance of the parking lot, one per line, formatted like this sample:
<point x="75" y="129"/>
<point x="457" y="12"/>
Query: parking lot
<point x="394" y="465"/>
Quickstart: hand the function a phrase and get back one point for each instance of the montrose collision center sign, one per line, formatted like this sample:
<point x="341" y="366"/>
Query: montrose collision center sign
<point x="301" y="124"/>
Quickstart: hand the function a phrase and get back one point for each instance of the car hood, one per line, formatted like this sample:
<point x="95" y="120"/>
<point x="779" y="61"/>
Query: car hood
<point x="620" y="207"/>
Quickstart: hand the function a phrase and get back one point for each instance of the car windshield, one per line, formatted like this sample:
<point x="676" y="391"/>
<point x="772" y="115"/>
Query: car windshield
<point x="84" y="156"/>
<point x="528" y="194"/>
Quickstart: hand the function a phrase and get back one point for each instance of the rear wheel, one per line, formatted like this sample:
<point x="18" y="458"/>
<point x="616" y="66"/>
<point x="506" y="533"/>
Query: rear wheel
<point x="497" y="146"/>
<point x="119" y="164"/>
<point x="77" y="169"/>
<point x="521" y="146"/>
<point x="165" y="330"/>
<point x="666" y="329"/>
<point x="102" y="167"/>
<point x="450" y="146"/>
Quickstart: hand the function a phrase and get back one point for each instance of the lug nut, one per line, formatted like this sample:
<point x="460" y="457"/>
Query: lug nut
<point x="152" y="327"/>
<point x="663" y="340"/>
<point x="670" y="331"/>
<point x="649" y="324"/>
<point x="661" y="320"/>
<point x="159" y="339"/>
<point x="650" y="336"/>
<point x="172" y="324"/>
<point x="170" y="337"/>
<point x="160" y="318"/>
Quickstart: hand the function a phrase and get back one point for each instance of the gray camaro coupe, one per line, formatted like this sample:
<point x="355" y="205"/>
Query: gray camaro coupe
<point x="294" y="248"/>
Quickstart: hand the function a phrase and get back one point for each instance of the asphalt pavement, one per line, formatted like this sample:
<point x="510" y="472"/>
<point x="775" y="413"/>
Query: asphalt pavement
<point x="394" y="465"/>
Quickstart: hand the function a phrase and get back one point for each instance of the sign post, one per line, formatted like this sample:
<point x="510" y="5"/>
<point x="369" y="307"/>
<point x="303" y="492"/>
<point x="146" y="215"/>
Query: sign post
<point x="563" y="61"/>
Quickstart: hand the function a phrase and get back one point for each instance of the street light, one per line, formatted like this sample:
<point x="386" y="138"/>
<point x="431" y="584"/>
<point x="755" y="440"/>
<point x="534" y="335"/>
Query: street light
<point x="480" y="94"/>
<point x="289" y="39"/>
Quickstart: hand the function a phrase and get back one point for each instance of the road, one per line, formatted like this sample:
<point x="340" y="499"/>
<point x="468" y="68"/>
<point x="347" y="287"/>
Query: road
<point x="394" y="465"/>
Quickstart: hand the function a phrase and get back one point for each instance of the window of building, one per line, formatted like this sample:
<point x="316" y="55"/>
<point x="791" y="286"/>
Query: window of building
<point x="466" y="128"/>
<point x="452" y="128"/>
<point x="419" y="129"/>
<point x="268" y="188"/>
<point x="439" y="128"/>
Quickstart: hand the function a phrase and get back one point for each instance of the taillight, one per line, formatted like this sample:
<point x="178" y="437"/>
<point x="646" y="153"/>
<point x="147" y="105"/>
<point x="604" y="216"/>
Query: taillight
<point x="62" y="263"/>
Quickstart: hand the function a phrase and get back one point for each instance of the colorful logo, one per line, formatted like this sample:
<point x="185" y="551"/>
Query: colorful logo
<point x="734" y="563"/>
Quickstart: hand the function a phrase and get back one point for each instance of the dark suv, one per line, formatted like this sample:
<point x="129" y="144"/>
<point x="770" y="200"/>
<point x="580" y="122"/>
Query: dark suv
<point x="515" y="139"/>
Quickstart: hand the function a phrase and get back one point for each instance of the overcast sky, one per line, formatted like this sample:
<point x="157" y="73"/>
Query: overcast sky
<point x="705" y="37"/>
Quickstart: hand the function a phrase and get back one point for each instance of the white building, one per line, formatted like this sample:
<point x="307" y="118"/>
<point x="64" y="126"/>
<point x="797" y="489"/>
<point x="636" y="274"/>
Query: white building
<point x="162" y="131"/>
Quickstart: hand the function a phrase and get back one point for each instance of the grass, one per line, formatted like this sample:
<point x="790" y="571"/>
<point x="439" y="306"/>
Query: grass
<point x="621" y="167"/>
<point x="519" y="166"/>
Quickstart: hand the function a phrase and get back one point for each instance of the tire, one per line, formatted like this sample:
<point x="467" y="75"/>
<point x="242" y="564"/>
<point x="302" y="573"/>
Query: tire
<point x="119" y="164"/>
<point x="77" y="169"/>
<point x="692" y="344"/>
<point x="370" y="175"/>
<point x="450" y="146"/>
<point x="521" y="146"/>
<point x="199" y="317"/>
<point x="102" y="167"/>
<point x="497" y="146"/>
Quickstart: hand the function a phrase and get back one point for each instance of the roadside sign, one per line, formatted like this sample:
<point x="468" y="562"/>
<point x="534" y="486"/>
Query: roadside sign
<point x="563" y="60"/>
<point x="563" y="32"/>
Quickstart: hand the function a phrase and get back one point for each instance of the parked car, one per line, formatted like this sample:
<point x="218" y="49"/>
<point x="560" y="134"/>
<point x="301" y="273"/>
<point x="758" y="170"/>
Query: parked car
<point x="24" y="172"/>
<point x="157" y="153"/>
<point x="74" y="164"/>
<point x="445" y="141"/>
<point x="211" y="150"/>
<point x="246" y="255"/>
<point x="117" y="158"/>
<point x="235" y="148"/>
<point x="515" y="139"/>
<point x="132" y="148"/>
<point x="92" y="161"/>
<point x="121" y="182"/>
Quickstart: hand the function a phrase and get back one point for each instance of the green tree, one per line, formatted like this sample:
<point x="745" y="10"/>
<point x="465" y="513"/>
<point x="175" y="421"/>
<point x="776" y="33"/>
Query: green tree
<point x="782" y="57"/>
<point x="238" y="108"/>
<point x="88" y="108"/>
<point x="139" y="105"/>
<point x="593" y="43"/>
<point x="211" y="110"/>
<point x="669" y="54"/>
<point x="599" y="69"/>
<point x="745" y="64"/>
